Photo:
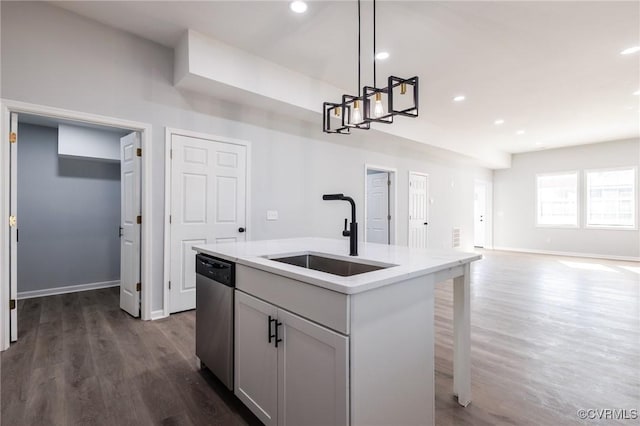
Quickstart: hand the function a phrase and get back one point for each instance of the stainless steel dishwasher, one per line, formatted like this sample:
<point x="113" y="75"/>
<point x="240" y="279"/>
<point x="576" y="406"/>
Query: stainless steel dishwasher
<point x="215" y="282"/>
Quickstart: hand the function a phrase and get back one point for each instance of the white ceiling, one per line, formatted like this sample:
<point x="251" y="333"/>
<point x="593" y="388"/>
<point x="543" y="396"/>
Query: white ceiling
<point x="552" y="69"/>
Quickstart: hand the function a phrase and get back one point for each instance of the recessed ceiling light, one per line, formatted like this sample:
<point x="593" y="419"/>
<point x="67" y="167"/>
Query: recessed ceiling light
<point x="637" y="93"/>
<point x="459" y="98"/>
<point x="630" y="50"/>
<point x="298" y="6"/>
<point x="382" y="56"/>
<point x="498" y="122"/>
<point x="520" y="132"/>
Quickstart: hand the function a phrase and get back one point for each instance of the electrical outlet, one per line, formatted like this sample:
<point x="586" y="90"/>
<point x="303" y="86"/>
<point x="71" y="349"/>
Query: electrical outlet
<point x="272" y="214"/>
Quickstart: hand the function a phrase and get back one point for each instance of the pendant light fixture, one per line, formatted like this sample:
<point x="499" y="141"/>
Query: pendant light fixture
<point x="369" y="105"/>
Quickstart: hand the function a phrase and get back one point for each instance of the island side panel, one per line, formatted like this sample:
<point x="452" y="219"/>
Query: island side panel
<point x="392" y="354"/>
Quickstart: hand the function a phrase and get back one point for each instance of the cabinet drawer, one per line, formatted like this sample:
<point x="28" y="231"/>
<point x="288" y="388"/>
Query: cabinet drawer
<point x="320" y="305"/>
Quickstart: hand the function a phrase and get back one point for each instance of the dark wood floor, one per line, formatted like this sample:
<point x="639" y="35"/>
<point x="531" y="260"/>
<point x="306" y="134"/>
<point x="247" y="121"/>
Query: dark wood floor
<point x="550" y="336"/>
<point x="80" y="360"/>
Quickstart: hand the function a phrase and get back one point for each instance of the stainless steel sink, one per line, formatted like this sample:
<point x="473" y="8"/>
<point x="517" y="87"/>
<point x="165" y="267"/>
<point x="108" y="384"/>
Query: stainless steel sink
<point x="329" y="265"/>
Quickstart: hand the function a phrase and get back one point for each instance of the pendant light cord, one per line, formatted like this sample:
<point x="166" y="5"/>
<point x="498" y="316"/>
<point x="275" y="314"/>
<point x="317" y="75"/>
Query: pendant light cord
<point x="359" y="54"/>
<point x="375" y="83"/>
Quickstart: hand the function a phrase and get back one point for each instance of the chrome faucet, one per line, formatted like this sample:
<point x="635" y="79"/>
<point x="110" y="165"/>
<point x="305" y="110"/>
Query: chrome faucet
<point x="352" y="232"/>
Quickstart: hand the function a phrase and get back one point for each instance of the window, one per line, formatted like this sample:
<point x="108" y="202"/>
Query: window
<point x="611" y="198"/>
<point x="557" y="199"/>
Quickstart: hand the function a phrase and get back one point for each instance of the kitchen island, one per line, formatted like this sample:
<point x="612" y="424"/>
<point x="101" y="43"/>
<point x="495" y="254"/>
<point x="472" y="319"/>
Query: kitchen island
<point x="324" y="338"/>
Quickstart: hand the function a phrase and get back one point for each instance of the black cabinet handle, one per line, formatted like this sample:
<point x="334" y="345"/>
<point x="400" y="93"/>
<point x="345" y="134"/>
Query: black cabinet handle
<point x="271" y="336"/>
<point x="241" y="229"/>
<point x="278" y="324"/>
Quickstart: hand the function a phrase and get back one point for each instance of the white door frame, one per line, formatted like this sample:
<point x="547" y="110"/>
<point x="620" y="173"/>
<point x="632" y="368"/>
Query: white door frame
<point x="411" y="172"/>
<point x="488" y="209"/>
<point x="8" y="106"/>
<point x="169" y="132"/>
<point x="394" y="207"/>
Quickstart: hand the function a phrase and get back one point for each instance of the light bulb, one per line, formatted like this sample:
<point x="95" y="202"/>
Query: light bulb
<point x="378" y="109"/>
<point x="356" y="116"/>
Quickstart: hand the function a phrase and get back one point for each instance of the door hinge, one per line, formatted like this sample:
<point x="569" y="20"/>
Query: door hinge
<point x="171" y="153"/>
<point x="138" y="220"/>
<point x="13" y="137"/>
<point x="13" y="221"/>
<point x="169" y="285"/>
<point x="169" y="218"/>
<point x="139" y="152"/>
<point x="388" y="183"/>
<point x="139" y="287"/>
<point x="389" y="217"/>
<point x="12" y="304"/>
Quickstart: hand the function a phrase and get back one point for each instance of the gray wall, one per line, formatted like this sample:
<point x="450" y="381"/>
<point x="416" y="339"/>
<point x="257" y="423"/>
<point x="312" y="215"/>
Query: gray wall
<point x="53" y="57"/>
<point x="515" y="197"/>
<point x="69" y="212"/>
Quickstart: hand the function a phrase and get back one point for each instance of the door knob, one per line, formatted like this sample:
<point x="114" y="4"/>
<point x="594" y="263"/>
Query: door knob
<point x="426" y="223"/>
<point x="241" y="229"/>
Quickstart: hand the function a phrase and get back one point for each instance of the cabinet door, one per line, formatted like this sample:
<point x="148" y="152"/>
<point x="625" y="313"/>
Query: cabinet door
<point x="256" y="360"/>
<point x="313" y="374"/>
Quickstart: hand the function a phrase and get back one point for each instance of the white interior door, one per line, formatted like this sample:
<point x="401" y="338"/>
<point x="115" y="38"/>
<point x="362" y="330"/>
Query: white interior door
<point x="378" y="215"/>
<point x="13" y="223"/>
<point x="480" y="214"/>
<point x="208" y="205"/>
<point x="418" y="209"/>
<point x="130" y="212"/>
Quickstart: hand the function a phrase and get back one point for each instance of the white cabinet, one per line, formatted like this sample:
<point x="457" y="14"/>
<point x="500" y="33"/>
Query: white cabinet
<point x="289" y="371"/>
<point x="256" y="359"/>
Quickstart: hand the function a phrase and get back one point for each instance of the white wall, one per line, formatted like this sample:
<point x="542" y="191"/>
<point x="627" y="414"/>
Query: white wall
<point x="53" y="57"/>
<point x="69" y="211"/>
<point x="515" y="198"/>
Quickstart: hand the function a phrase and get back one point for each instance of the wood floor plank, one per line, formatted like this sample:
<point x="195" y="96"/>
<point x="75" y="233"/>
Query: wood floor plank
<point x="45" y="401"/>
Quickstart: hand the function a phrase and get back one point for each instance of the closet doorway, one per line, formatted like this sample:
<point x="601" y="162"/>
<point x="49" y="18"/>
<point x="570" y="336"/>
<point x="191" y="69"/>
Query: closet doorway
<point x="380" y="204"/>
<point x="75" y="206"/>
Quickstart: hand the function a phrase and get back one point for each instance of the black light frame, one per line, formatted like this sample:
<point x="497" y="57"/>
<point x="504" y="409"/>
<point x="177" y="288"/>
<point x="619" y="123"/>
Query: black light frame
<point x="394" y="82"/>
<point x="328" y="109"/>
<point x="366" y="94"/>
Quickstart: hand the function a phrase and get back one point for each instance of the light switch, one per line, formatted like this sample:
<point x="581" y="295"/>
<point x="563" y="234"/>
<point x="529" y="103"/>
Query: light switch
<point x="272" y="214"/>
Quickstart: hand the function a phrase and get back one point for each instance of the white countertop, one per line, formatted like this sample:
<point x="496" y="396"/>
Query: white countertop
<point x="410" y="262"/>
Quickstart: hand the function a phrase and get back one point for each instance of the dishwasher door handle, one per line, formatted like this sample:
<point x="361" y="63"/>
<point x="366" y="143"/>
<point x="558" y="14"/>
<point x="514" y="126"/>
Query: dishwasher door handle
<point x="212" y="264"/>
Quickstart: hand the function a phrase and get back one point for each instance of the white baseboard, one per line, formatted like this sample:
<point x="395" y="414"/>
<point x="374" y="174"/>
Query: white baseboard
<point x="159" y="314"/>
<point x="569" y="254"/>
<point x="67" y="289"/>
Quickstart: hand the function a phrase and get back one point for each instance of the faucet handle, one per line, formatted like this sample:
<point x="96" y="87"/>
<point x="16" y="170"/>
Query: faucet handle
<point x="346" y="232"/>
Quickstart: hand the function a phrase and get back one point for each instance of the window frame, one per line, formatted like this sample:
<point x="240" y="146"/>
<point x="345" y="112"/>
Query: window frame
<point x="634" y="227"/>
<point x="578" y="200"/>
